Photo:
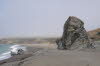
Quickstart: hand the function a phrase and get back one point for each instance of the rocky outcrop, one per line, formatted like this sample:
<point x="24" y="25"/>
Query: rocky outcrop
<point x="19" y="52"/>
<point x="74" y="35"/>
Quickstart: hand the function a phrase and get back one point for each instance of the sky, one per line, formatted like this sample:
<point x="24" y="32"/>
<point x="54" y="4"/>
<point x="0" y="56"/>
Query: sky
<point x="45" y="18"/>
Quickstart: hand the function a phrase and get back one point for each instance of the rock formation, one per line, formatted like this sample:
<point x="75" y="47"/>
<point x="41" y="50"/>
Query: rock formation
<point x="74" y="35"/>
<point x="19" y="52"/>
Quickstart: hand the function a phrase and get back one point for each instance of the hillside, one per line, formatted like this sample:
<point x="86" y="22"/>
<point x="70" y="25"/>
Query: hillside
<point x="27" y="40"/>
<point x="95" y="34"/>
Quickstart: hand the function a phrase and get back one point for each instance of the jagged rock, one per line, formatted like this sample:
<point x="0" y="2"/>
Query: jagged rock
<point x="19" y="52"/>
<point x="74" y="35"/>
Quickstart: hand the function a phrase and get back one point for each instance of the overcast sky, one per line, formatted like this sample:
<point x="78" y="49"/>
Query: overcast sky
<point x="45" y="17"/>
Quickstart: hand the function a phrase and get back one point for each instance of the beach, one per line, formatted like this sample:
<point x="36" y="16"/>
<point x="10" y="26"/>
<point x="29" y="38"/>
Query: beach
<point x="48" y="55"/>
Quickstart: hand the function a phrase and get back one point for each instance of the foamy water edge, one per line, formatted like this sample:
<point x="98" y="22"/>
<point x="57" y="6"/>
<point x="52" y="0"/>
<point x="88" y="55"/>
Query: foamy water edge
<point x="13" y="48"/>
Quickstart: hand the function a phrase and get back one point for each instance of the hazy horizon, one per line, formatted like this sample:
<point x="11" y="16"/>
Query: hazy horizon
<point x="31" y="18"/>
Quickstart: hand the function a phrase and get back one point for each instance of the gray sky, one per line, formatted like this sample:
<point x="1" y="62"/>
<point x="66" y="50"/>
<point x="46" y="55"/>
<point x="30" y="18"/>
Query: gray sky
<point x="45" y="17"/>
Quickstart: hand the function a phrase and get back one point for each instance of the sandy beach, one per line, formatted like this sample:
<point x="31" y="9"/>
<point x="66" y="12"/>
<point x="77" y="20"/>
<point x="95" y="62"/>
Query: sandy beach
<point x="48" y="55"/>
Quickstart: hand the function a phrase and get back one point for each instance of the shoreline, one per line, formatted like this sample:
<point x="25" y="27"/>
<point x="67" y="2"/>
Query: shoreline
<point x="28" y="53"/>
<point x="49" y="55"/>
<point x="6" y="54"/>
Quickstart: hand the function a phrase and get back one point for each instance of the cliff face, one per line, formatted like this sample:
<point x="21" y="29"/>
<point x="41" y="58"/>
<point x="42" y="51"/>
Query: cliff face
<point x="74" y="35"/>
<point x="95" y="34"/>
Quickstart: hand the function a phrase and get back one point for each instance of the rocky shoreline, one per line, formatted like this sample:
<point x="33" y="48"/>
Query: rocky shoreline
<point x="19" y="59"/>
<point x="48" y="55"/>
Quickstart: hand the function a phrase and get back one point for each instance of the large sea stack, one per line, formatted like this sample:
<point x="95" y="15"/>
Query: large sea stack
<point x="74" y="35"/>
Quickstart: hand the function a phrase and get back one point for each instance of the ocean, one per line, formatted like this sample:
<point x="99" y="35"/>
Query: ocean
<point x="5" y="50"/>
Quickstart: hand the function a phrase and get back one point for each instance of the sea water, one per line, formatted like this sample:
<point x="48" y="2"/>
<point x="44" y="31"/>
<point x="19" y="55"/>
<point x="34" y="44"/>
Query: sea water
<point x="5" y="50"/>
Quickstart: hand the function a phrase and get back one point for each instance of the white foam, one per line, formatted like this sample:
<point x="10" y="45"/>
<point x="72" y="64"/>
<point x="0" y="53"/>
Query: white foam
<point x="14" y="49"/>
<point x="5" y="56"/>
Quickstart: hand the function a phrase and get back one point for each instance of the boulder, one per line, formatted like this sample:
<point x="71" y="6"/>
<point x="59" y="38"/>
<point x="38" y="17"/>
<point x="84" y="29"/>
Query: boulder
<point x="19" y="52"/>
<point x="74" y="35"/>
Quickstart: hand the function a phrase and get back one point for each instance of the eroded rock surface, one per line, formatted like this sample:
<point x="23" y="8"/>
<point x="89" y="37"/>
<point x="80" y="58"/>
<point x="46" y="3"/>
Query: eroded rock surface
<point x="74" y="35"/>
